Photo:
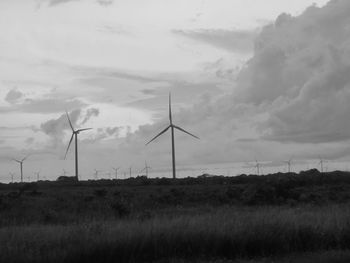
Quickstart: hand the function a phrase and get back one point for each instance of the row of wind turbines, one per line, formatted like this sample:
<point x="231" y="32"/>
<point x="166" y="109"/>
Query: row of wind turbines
<point x="258" y="165"/>
<point x="76" y="132"/>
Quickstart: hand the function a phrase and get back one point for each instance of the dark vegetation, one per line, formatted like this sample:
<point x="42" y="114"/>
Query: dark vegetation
<point x="216" y="218"/>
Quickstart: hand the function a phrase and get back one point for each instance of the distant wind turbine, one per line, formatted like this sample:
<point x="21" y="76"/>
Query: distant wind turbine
<point x="322" y="161"/>
<point x="96" y="173"/>
<point x="289" y="163"/>
<point x="74" y="134"/>
<point x="116" y="171"/>
<point x="172" y="127"/>
<point x="21" y="165"/>
<point x="11" y="174"/>
<point x="257" y="166"/>
<point x="38" y="175"/>
<point x="64" y="172"/>
<point x="130" y="171"/>
<point x="146" y="168"/>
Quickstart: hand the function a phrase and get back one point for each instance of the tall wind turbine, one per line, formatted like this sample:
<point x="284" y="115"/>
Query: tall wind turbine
<point x="116" y="171"/>
<point x="75" y="135"/>
<point x="172" y="127"/>
<point x="146" y="168"/>
<point x="21" y="165"/>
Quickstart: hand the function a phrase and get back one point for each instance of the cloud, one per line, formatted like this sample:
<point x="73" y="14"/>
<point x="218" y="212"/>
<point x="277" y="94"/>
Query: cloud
<point x="291" y="97"/>
<point x="55" y="128"/>
<point x="13" y="96"/>
<point x="231" y="40"/>
<point x="105" y="133"/>
<point x="92" y="112"/>
<point x="300" y="68"/>
<point x="101" y="2"/>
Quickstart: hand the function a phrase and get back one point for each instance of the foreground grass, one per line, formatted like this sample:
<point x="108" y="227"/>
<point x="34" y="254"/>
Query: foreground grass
<point x="225" y="233"/>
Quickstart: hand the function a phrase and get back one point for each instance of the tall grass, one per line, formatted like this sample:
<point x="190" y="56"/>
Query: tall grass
<point x="219" y="234"/>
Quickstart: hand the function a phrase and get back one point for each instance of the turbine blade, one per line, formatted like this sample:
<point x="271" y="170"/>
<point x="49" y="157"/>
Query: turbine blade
<point x="25" y="158"/>
<point x="16" y="160"/>
<point x="159" y="134"/>
<point x="186" y="132"/>
<point x="80" y="130"/>
<point x="170" y="115"/>
<point x="70" y="123"/>
<point x="143" y="170"/>
<point x="71" y="139"/>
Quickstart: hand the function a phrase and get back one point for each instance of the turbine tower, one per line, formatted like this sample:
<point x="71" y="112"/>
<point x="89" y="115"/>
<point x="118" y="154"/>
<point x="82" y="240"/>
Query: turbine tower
<point x="172" y="127"/>
<point x="21" y="165"/>
<point x="116" y="171"/>
<point x="74" y="134"/>
<point x="146" y="168"/>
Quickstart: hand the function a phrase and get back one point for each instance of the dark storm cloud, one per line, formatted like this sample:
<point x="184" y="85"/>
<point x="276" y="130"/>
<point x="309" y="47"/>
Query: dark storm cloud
<point x="231" y="40"/>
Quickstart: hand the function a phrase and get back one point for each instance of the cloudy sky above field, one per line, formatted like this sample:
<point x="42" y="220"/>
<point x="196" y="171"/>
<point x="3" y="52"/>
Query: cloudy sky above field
<point x="253" y="79"/>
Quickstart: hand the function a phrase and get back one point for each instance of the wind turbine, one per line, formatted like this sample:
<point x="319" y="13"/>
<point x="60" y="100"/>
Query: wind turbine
<point x="74" y="134"/>
<point x="64" y="172"/>
<point x="322" y="161"/>
<point x="116" y="171"/>
<point x="289" y="163"/>
<point x="146" y="169"/>
<point x="130" y="171"/>
<point x="96" y="173"/>
<point x="21" y="165"/>
<point x="172" y="127"/>
<point x="37" y="175"/>
<point x="257" y="166"/>
<point x="11" y="174"/>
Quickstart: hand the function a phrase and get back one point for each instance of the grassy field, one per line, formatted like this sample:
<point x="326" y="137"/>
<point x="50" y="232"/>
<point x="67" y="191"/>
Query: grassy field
<point x="275" y="218"/>
<point x="225" y="233"/>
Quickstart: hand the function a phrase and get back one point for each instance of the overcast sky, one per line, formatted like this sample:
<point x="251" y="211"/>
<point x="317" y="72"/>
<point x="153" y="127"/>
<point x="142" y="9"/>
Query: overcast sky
<point x="253" y="79"/>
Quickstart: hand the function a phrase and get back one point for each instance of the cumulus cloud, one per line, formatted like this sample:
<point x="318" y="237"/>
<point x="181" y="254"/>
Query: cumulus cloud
<point x="301" y="68"/>
<point x="55" y="127"/>
<point x="13" y="96"/>
<point x="92" y="112"/>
